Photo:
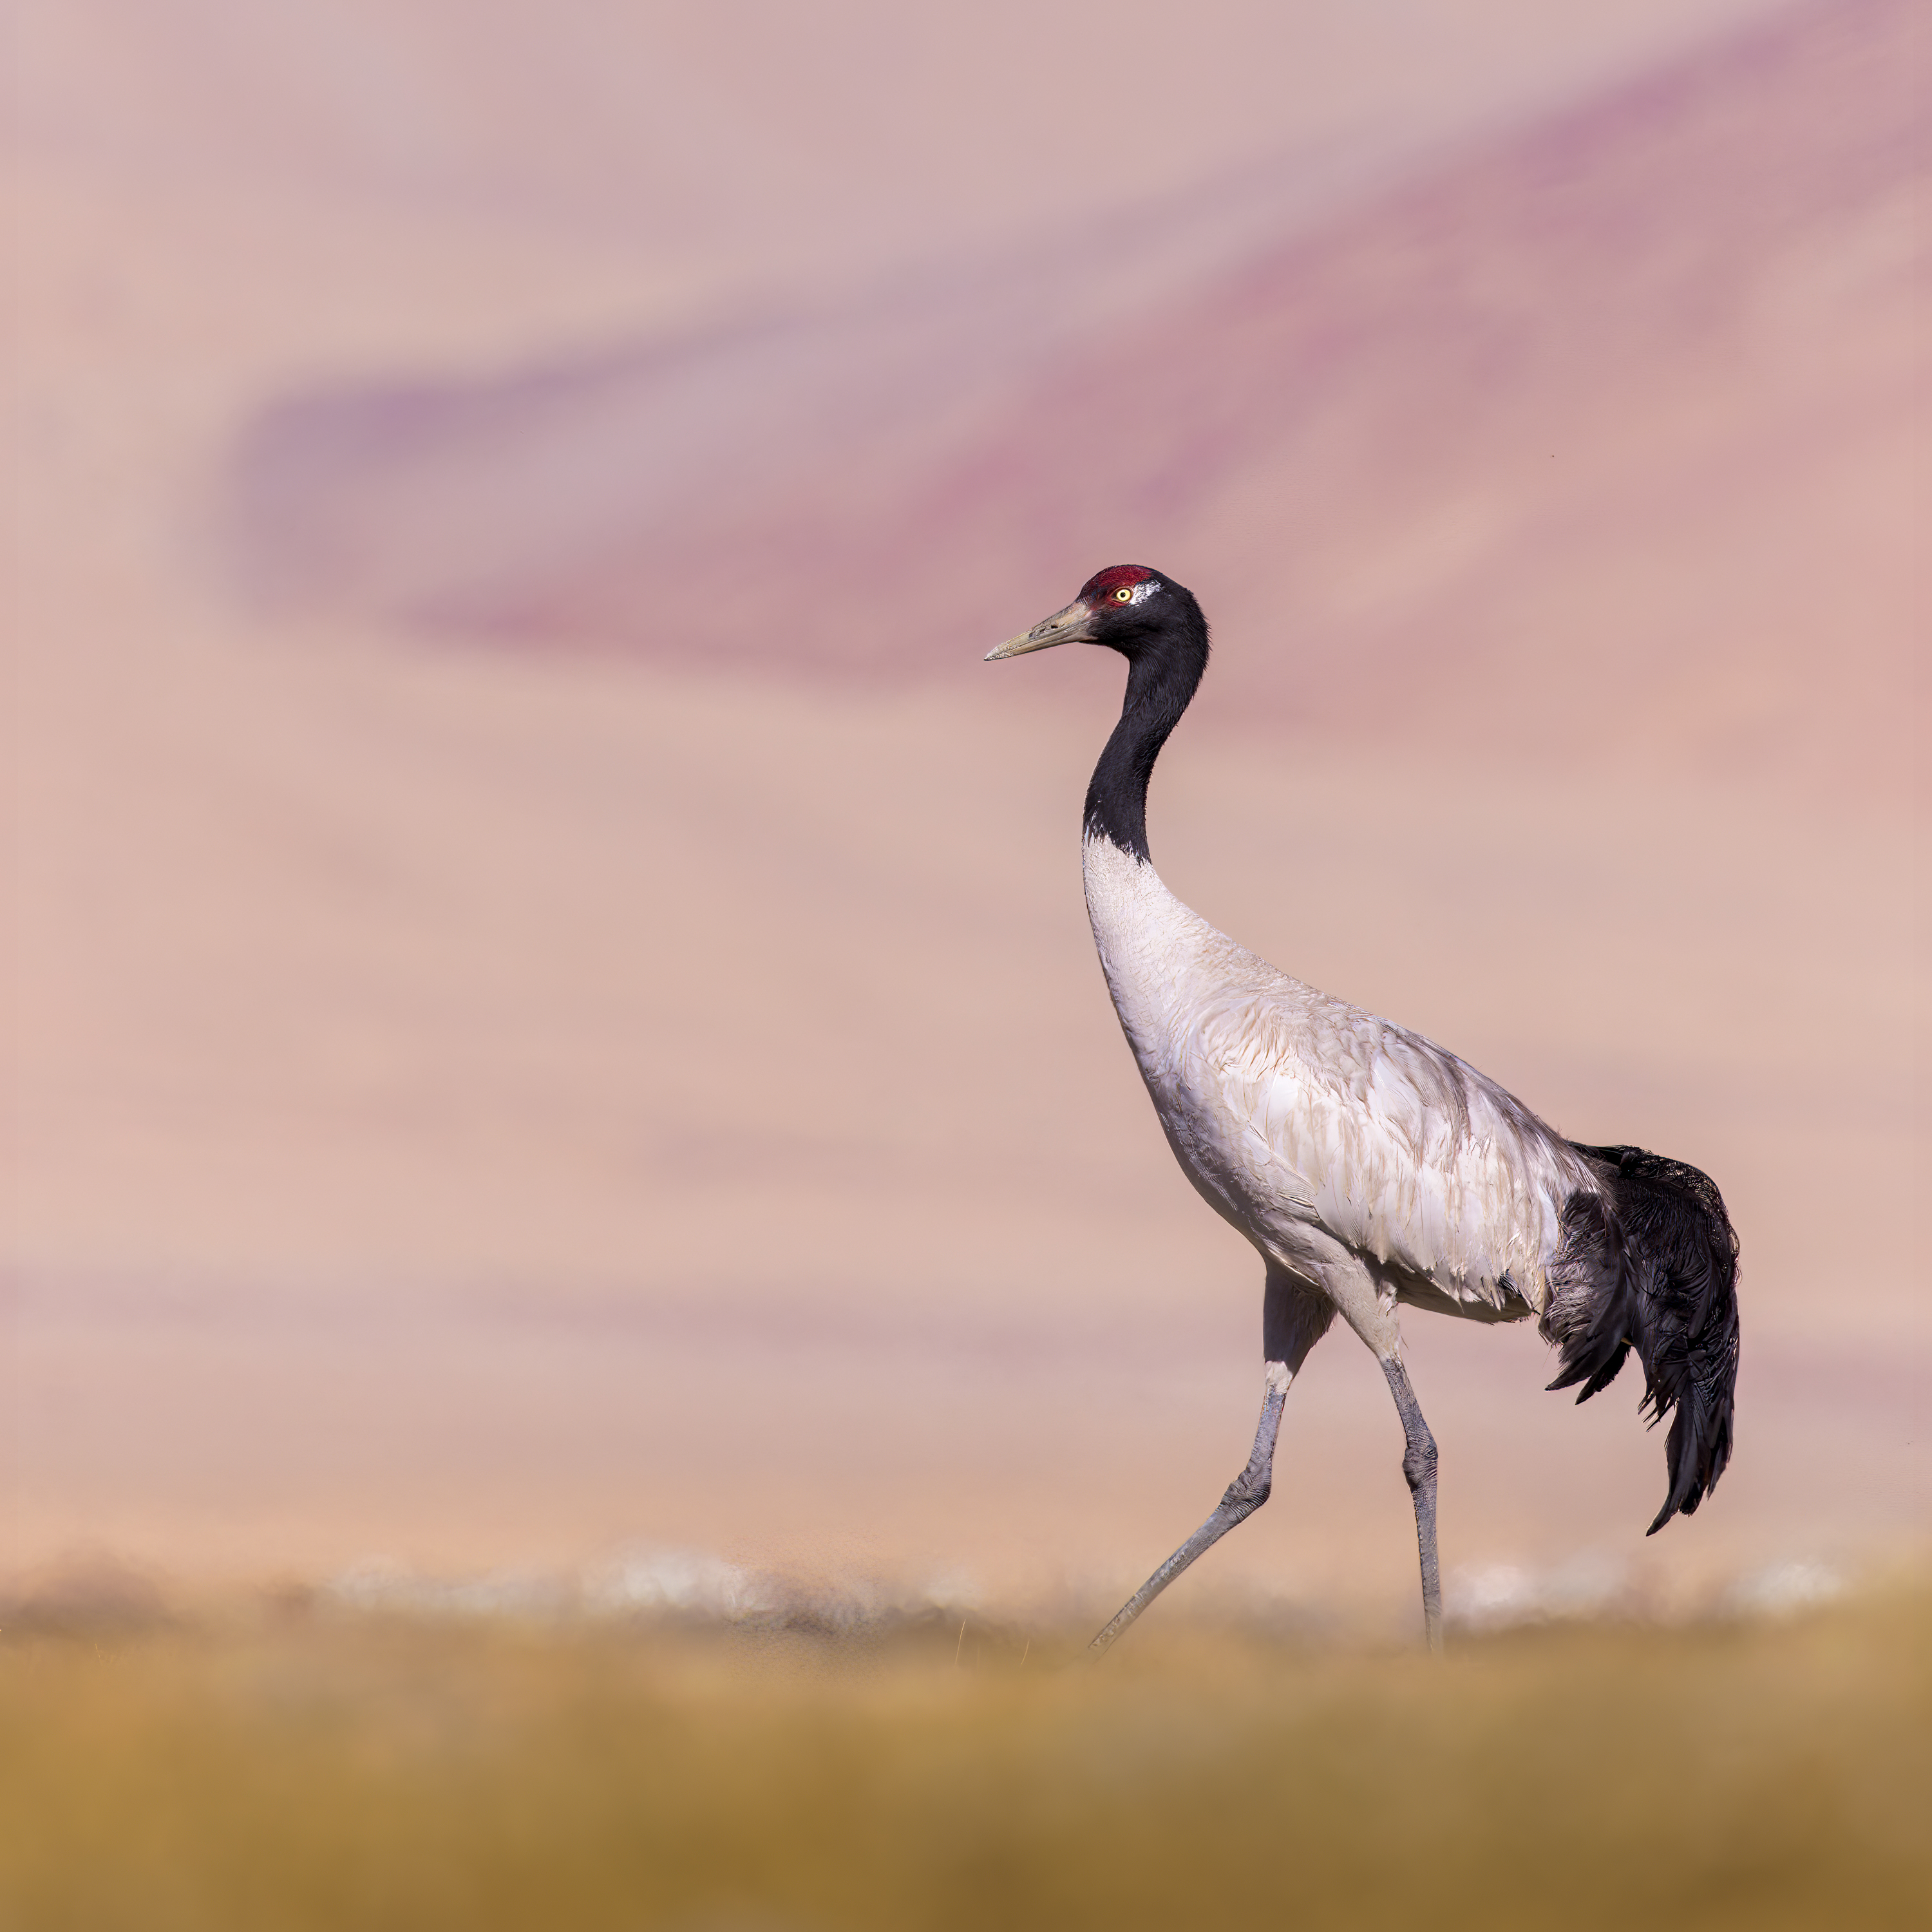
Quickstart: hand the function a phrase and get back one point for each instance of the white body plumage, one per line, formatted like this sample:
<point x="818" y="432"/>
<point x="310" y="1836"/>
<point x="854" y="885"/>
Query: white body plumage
<point x="1311" y="1126"/>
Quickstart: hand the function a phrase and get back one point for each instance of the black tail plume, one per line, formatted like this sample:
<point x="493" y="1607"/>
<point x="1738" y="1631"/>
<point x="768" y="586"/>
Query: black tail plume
<point x="1651" y="1263"/>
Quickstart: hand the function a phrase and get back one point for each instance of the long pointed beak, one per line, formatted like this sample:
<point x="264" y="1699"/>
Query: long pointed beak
<point x="1072" y="625"/>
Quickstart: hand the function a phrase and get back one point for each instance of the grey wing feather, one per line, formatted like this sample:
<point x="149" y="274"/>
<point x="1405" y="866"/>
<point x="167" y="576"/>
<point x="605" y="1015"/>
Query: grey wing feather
<point x="1400" y="1150"/>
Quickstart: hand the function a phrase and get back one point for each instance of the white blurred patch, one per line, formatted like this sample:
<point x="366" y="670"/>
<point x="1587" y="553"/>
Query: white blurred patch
<point x="1782" y="1589"/>
<point x="380" y="1585"/>
<point x="952" y="1590"/>
<point x="649" y="1580"/>
<point x="1499" y="1596"/>
<point x="691" y="1582"/>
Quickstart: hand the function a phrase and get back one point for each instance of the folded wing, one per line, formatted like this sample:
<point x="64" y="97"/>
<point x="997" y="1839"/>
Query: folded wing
<point x="1400" y="1150"/>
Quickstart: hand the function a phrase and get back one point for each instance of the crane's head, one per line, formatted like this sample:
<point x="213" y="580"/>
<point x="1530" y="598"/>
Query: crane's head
<point x="1124" y="607"/>
<point x="1157" y="626"/>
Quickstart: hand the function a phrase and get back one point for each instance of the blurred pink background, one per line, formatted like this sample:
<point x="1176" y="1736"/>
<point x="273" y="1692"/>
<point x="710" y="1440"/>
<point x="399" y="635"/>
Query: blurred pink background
<point x="548" y="1010"/>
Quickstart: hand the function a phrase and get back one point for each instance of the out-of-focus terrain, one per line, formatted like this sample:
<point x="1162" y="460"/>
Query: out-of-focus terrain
<point x="548" y="1008"/>
<point x="320" y="1773"/>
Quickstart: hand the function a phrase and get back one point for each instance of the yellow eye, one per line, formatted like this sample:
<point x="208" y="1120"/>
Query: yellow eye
<point x="1125" y="595"/>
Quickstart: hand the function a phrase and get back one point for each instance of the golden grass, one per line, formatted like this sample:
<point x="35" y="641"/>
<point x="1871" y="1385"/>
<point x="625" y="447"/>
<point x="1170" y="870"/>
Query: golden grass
<point x="329" y="1772"/>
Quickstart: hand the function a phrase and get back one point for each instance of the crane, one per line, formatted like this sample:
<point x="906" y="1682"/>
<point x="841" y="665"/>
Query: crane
<point x="1369" y="1168"/>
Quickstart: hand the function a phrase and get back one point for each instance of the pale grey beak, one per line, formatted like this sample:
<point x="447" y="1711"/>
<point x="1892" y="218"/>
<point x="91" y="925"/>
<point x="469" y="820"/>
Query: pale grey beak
<point x="1072" y="625"/>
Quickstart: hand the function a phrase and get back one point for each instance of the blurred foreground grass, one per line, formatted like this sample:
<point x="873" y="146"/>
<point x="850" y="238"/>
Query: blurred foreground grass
<point x="314" y="1771"/>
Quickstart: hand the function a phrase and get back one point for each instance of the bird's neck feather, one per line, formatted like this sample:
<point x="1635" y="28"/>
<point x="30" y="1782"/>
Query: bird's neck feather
<point x="1159" y="685"/>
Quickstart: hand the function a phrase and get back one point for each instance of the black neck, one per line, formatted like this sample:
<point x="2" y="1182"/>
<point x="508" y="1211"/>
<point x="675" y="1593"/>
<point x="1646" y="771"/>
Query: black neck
<point x="1162" y="675"/>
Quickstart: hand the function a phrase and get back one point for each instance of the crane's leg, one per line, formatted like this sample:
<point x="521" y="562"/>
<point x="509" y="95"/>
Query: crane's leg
<point x="1294" y="1319"/>
<point x="1368" y="1304"/>
<point x="1418" y="1465"/>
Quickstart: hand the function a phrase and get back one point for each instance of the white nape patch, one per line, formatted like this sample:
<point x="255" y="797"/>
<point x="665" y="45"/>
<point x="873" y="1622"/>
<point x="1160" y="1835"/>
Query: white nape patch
<point x="1277" y="1378"/>
<point x="1142" y="592"/>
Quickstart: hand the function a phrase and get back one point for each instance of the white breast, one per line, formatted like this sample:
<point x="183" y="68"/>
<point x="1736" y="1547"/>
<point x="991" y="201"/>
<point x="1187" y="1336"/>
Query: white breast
<point x="1290" y="1110"/>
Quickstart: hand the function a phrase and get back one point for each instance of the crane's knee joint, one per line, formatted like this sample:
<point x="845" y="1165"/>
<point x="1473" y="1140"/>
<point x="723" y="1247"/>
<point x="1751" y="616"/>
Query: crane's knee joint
<point x="1418" y="1461"/>
<point x="1246" y="1493"/>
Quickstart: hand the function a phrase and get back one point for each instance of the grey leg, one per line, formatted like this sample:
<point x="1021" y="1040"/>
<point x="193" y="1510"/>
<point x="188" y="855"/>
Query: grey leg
<point x="1418" y="1465"/>
<point x="1245" y="1495"/>
<point x="1293" y="1320"/>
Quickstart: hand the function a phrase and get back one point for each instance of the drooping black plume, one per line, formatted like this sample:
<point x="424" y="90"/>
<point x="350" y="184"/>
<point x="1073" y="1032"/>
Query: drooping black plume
<point x="1651" y="1263"/>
